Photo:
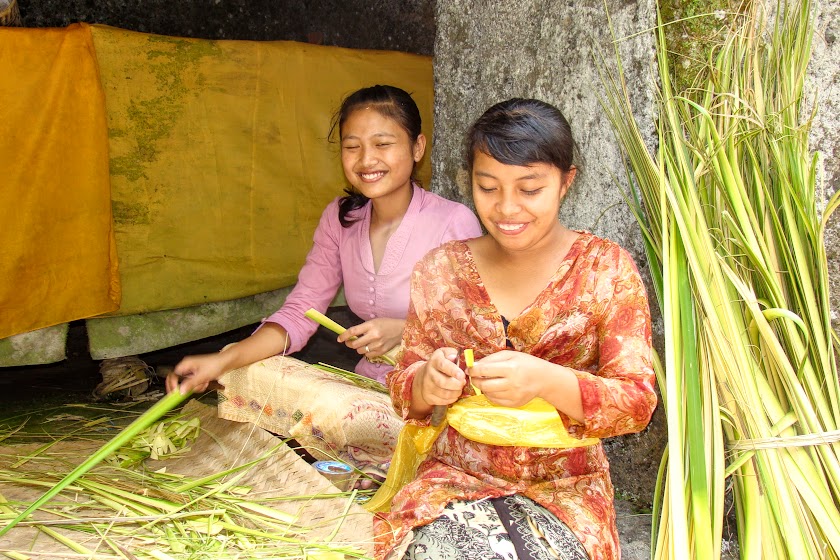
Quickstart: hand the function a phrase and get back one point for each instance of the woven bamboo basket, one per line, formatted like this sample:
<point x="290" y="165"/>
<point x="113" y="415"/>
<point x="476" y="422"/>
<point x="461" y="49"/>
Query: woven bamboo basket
<point x="9" y="13"/>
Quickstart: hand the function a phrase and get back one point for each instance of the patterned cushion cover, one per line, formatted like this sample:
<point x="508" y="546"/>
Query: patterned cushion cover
<point x="328" y="415"/>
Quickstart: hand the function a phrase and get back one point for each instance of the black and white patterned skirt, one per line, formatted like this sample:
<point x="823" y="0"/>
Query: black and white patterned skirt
<point x="506" y="528"/>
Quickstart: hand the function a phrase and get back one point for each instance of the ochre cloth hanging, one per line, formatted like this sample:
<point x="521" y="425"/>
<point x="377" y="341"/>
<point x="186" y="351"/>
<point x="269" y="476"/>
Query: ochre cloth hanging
<point x="57" y="254"/>
<point x="220" y="164"/>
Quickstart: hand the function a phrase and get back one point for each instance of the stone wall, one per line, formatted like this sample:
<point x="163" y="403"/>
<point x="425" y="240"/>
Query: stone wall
<point x="824" y="88"/>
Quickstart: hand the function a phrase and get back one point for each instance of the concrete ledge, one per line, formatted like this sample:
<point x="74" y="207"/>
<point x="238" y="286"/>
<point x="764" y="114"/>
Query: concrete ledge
<point x="113" y="337"/>
<point x="44" y="346"/>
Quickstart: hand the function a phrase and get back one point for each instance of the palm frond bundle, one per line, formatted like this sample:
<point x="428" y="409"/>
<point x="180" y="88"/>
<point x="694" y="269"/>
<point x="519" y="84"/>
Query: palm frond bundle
<point x="732" y="229"/>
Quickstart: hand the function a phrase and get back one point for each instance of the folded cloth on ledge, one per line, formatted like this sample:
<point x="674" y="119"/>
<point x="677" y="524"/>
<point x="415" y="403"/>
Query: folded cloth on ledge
<point x="327" y="414"/>
<point x="58" y="261"/>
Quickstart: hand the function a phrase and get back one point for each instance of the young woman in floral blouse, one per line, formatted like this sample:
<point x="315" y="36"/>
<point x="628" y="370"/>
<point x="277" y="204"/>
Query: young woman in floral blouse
<point x="549" y="312"/>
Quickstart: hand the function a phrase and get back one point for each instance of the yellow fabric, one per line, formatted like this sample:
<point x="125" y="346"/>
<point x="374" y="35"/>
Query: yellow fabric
<point x="220" y="166"/>
<point x="535" y="424"/>
<point x="57" y="254"/>
<point x="413" y="444"/>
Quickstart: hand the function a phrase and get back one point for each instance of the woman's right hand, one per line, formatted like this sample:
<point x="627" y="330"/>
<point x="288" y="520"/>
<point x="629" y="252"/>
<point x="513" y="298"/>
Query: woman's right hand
<point x="439" y="382"/>
<point x="194" y="373"/>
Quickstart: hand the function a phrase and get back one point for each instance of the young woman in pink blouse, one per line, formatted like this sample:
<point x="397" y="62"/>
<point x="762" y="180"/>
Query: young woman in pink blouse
<point x="368" y="241"/>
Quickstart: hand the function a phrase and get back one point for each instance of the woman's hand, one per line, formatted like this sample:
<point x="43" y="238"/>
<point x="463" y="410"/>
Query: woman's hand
<point x="439" y="382"/>
<point x="194" y="373"/>
<point x="375" y="337"/>
<point x="510" y="378"/>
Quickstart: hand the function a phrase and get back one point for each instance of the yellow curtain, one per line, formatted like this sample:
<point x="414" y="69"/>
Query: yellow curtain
<point x="57" y="254"/>
<point x="220" y="166"/>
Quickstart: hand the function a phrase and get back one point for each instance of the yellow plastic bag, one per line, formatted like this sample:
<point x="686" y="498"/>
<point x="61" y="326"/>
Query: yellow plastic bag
<point x="536" y="424"/>
<point x="413" y="444"/>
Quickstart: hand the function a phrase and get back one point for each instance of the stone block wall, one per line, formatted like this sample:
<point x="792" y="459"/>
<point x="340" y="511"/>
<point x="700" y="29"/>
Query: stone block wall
<point x="824" y="89"/>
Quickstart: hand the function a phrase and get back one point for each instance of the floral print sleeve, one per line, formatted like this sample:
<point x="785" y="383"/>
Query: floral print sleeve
<point x="401" y="379"/>
<point x="618" y="398"/>
<point x="421" y="337"/>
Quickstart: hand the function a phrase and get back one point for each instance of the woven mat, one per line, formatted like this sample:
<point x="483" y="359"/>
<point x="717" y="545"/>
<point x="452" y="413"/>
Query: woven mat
<point x="225" y="444"/>
<point x="221" y="445"/>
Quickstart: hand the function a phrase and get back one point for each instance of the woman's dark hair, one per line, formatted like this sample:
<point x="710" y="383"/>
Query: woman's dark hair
<point x="523" y="132"/>
<point x="388" y="101"/>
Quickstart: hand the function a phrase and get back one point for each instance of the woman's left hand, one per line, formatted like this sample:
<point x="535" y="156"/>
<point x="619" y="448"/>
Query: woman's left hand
<point x="375" y="337"/>
<point x="509" y="378"/>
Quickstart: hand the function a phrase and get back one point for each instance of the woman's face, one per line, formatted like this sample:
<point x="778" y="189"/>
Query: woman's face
<point x="377" y="154"/>
<point x="518" y="205"/>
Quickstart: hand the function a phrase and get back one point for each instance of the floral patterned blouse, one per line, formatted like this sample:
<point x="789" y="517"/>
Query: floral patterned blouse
<point x="592" y="317"/>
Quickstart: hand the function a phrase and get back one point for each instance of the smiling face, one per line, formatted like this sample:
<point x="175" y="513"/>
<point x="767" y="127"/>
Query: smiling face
<point x="517" y="204"/>
<point x="377" y="154"/>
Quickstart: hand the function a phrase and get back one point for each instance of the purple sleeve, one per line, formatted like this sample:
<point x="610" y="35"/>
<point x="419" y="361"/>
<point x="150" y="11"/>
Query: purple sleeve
<point x="317" y="284"/>
<point x="463" y="225"/>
